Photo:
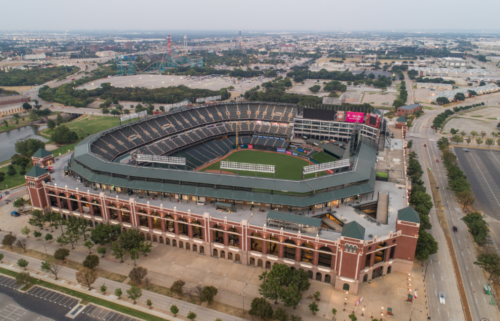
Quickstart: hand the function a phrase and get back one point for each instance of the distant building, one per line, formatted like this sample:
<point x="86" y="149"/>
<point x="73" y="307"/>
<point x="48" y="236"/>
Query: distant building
<point x="450" y="94"/>
<point x="425" y="85"/>
<point x="128" y="45"/>
<point x="401" y="122"/>
<point x="453" y="62"/>
<point x="94" y="47"/>
<point x="287" y="48"/>
<point x="35" y="57"/>
<point x="105" y="54"/>
<point x="409" y="109"/>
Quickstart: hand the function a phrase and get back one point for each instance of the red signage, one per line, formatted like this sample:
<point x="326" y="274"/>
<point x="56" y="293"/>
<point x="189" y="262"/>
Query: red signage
<point x="250" y="146"/>
<point x="359" y="301"/>
<point x="354" y="117"/>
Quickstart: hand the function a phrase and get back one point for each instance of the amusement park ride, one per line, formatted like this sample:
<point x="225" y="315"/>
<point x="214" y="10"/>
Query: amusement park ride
<point x="172" y="58"/>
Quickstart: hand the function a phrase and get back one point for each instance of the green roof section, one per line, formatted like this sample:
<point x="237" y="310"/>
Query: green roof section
<point x="294" y="218"/>
<point x="401" y="119"/>
<point x="408" y="214"/>
<point x="353" y="230"/>
<point x="41" y="153"/>
<point x="36" y="171"/>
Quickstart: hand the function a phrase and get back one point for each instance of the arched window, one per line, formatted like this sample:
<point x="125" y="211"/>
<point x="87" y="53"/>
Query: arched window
<point x="290" y="249"/>
<point x="234" y="237"/>
<point x="169" y="224"/>
<point x="125" y="214"/>
<point x="218" y="234"/>
<point x="156" y="220"/>
<point x="256" y="242"/>
<point x="347" y="247"/>
<point x="325" y="259"/>
<point x="197" y="230"/>
<point x="143" y="219"/>
<point x="74" y="203"/>
<point x="96" y="208"/>
<point x="64" y="202"/>
<point x="85" y="205"/>
<point x="113" y="213"/>
<point x="53" y="199"/>
<point x="307" y="253"/>
<point x="183" y="227"/>
<point x="380" y="254"/>
<point x="273" y="245"/>
<point x="346" y="287"/>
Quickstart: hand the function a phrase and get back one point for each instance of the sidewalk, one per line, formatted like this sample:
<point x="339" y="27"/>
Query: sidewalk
<point x="68" y="279"/>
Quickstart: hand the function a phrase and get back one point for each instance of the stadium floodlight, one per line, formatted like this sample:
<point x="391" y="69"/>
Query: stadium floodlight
<point x="248" y="167"/>
<point x="160" y="159"/>
<point x="326" y="166"/>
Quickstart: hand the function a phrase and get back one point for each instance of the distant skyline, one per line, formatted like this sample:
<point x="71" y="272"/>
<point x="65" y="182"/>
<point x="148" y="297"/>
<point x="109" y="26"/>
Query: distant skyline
<point x="257" y="15"/>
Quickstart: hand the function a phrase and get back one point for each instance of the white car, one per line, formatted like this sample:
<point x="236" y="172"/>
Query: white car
<point x="441" y="298"/>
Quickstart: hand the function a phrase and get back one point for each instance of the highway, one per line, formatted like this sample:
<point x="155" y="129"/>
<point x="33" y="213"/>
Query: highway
<point x="440" y="276"/>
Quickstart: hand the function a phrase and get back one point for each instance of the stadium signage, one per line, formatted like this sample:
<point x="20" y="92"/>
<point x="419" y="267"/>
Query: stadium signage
<point x="176" y="105"/>
<point x="281" y="150"/>
<point x="160" y="159"/>
<point x="248" y="167"/>
<point x="326" y="166"/>
<point x="354" y="117"/>
<point x="132" y="116"/>
<point x="205" y="99"/>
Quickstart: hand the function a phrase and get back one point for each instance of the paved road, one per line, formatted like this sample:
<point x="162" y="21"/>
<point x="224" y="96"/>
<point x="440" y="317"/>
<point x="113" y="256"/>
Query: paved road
<point x="472" y="276"/>
<point x="409" y="84"/>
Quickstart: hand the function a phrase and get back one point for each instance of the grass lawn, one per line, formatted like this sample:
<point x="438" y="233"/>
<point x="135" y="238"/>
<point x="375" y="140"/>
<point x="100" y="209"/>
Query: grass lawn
<point x="91" y="299"/>
<point x="382" y="174"/>
<point x="323" y="157"/>
<point x="13" y="181"/>
<point x="12" y="123"/>
<point x="287" y="167"/>
<point x="88" y="125"/>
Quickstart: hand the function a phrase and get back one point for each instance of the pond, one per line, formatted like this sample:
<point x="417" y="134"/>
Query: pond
<point x="8" y="139"/>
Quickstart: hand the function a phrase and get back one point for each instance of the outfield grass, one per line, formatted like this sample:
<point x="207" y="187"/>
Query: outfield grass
<point x="323" y="157"/>
<point x="287" y="167"/>
<point x="382" y="174"/>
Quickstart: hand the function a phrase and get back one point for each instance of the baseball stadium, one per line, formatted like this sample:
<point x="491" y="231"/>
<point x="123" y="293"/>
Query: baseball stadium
<point x="236" y="182"/>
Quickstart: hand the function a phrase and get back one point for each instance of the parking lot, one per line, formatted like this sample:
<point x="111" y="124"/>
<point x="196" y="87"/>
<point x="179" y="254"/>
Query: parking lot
<point x="9" y="282"/>
<point x="12" y="311"/>
<point x="54" y="297"/>
<point x="99" y="313"/>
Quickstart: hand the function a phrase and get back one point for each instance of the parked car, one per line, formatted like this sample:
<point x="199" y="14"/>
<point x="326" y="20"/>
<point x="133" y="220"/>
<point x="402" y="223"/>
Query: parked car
<point x="455" y="229"/>
<point x="437" y="160"/>
<point x="14" y="213"/>
<point x="466" y="150"/>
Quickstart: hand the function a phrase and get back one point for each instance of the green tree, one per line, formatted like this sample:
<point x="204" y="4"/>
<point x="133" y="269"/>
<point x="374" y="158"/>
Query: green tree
<point x="134" y="255"/>
<point x="489" y="142"/>
<point x="281" y="315"/>
<point x="88" y="244"/>
<point x="459" y="97"/>
<point x="426" y="245"/>
<point x="29" y="146"/>
<point x="208" y="294"/>
<point x="105" y="233"/>
<point x="477" y="227"/>
<point x="398" y="103"/>
<point x="118" y="293"/>
<point x="8" y="240"/>
<point x="174" y="309"/>
<point x="1" y="257"/>
<point x="146" y="248"/>
<point x="61" y="254"/>
<point x="313" y="307"/>
<point x="291" y="296"/>
<point x="22" y="263"/>
<point x="51" y="124"/>
<point x="317" y="295"/>
<point x="91" y="261"/>
<point x="52" y="267"/>
<point x="25" y="231"/>
<point x="334" y="312"/>
<point x="490" y="262"/>
<point x="442" y="101"/>
<point x="117" y="251"/>
<point x="479" y="141"/>
<point x="63" y="135"/>
<point x="315" y="88"/>
<point x="37" y="234"/>
<point x="86" y="277"/>
<point x="48" y="237"/>
<point x="137" y="274"/>
<point x="260" y="308"/>
<point x="11" y="170"/>
<point x="130" y="239"/>
<point x="352" y="317"/>
<point x="59" y="119"/>
<point x="149" y="303"/>
<point x="101" y="250"/>
<point x="24" y="278"/>
<point x="103" y="288"/>
<point x="27" y="106"/>
<point x="177" y="287"/>
<point x="191" y="315"/>
<point x="22" y="243"/>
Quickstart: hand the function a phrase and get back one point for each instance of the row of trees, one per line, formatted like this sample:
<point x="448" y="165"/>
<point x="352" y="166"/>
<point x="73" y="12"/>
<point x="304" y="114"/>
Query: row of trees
<point x="422" y="203"/>
<point x="34" y="76"/>
<point x="403" y="96"/>
<point x="478" y="228"/>
<point x="441" y="118"/>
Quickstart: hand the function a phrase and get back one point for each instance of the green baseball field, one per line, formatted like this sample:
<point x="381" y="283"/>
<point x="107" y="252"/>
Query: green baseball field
<point x="287" y="167"/>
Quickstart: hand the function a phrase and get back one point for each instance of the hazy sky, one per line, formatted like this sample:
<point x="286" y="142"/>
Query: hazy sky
<point x="312" y="15"/>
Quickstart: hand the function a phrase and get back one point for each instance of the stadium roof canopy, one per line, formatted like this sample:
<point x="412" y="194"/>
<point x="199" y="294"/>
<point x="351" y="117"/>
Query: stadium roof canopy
<point x="297" y="219"/>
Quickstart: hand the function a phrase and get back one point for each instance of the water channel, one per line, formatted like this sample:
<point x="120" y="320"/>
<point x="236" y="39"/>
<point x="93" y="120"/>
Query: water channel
<point x="8" y="139"/>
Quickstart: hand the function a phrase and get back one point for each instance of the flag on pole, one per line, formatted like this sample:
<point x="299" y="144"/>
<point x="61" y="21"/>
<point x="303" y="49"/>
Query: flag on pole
<point x="415" y="294"/>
